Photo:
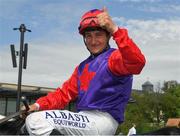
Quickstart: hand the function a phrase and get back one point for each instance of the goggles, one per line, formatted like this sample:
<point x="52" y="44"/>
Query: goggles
<point x="88" y="22"/>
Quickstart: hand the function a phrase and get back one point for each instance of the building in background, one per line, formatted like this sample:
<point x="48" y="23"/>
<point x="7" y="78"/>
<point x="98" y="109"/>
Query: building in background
<point x="8" y="95"/>
<point x="148" y="86"/>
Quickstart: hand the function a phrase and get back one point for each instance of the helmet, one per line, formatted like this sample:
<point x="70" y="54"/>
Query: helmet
<point x="89" y="20"/>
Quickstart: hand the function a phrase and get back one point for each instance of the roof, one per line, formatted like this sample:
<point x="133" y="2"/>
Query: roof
<point x="147" y="83"/>
<point x="10" y="90"/>
<point x="25" y="88"/>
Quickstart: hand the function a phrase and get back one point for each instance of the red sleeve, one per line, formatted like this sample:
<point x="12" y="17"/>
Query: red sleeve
<point x="127" y="59"/>
<point x="62" y="96"/>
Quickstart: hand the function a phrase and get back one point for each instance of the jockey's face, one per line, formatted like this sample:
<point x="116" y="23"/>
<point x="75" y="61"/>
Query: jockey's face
<point x="96" y="41"/>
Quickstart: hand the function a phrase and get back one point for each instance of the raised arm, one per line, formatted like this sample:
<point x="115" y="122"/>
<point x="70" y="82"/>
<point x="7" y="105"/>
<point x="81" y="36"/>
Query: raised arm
<point x="128" y="59"/>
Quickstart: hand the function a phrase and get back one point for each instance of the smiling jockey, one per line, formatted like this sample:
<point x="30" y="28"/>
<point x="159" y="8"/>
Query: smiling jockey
<point x="102" y="83"/>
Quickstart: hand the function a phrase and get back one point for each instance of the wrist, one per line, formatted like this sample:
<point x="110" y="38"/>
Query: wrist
<point x="114" y="29"/>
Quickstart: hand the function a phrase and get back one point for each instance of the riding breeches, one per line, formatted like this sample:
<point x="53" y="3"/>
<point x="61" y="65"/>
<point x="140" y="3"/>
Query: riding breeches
<point x="71" y="123"/>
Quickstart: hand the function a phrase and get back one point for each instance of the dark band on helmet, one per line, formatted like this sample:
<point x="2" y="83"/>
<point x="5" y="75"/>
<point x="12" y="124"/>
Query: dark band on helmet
<point x="88" y="29"/>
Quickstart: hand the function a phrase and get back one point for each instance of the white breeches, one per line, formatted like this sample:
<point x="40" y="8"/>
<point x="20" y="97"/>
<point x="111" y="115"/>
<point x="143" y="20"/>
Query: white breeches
<point x="71" y="123"/>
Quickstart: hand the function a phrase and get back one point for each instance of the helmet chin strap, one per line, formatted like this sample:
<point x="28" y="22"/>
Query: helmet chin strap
<point x="93" y="55"/>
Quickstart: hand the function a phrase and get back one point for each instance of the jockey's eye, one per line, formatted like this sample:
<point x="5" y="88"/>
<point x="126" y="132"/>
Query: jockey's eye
<point x="87" y="35"/>
<point x="94" y="34"/>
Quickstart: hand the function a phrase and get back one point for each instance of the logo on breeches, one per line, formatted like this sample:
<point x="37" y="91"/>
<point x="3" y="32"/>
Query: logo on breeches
<point x="68" y="119"/>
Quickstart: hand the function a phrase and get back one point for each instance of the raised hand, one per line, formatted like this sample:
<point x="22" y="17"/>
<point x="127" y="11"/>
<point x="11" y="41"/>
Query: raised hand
<point x="105" y="21"/>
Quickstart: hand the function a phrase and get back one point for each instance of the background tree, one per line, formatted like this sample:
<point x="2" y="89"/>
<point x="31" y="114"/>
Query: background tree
<point x="152" y="109"/>
<point x="171" y="102"/>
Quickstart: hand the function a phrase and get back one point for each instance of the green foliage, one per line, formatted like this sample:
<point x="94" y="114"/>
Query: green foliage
<point x="171" y="103"/>
<point x="151" y="110"/>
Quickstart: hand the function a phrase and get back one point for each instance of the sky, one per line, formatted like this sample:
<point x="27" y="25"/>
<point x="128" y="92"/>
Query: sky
<point x="56" y="48"/>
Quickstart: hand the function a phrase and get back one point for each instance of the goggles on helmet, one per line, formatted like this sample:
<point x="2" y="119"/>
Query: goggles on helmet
<point x="89" y="20"/>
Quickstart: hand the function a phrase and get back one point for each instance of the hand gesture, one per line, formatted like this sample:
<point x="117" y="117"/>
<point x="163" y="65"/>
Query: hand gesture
<point x="105" y="21"/>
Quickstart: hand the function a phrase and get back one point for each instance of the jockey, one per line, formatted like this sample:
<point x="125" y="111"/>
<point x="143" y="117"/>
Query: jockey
<point x="101" y="84"/>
